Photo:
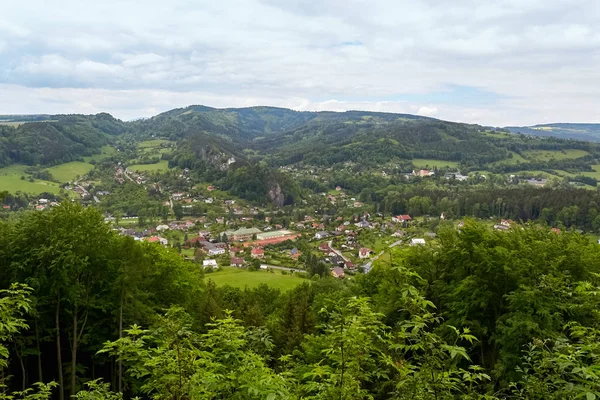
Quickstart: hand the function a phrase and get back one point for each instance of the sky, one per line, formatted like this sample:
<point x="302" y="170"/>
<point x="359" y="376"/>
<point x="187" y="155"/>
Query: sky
<point x="497" y="62"/>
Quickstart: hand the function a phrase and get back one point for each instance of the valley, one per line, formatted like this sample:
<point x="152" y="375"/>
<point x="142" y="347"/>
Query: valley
<point x="276" y="223"/>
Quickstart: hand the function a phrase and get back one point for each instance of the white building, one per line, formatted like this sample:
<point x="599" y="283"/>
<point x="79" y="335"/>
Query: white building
<point x="215" y="251"/>
<point x="417" y="242"/>
<point x="209" y="263"/>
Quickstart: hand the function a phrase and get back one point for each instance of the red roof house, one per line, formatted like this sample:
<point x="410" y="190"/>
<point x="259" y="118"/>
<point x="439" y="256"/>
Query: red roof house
<point x="257" y="253"/>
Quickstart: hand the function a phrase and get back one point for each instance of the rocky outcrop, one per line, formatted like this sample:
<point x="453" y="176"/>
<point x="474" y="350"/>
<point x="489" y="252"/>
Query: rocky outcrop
<point x="276" y="195"/>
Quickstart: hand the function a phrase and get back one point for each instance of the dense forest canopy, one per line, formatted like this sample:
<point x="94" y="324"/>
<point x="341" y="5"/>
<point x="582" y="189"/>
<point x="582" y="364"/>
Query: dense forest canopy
<point x="482" y="314"/>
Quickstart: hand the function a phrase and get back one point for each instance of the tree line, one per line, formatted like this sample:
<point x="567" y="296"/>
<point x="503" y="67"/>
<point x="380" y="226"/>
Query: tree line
<point x="479" y="314"/>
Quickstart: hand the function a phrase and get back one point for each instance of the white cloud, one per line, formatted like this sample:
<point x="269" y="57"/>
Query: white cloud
<point x="540" y="57"/>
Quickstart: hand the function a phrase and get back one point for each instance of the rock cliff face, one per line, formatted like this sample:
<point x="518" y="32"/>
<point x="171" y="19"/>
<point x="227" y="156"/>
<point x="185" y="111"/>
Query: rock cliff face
<point x="276" y="195"/>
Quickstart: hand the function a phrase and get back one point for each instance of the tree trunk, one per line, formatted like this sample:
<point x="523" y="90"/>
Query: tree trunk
<point x="61" y="383"/>
<point x="24" y="377"/>
<point x="74" y="354"/>
<point x="120" y="336"/>
<point x="39" y="352"/>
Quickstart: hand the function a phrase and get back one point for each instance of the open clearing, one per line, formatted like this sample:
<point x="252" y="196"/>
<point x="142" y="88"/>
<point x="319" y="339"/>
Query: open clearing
<point x="546" y="155"/>
<point x="241" y="278"/>
<point x="162" y="165"/>
<point x="10" y="180"/>
<point x="516" y="158"/>
<point x="105" y="152"/>
<point x="68" y="172"/>
<point x="426" y="163"/>
<point x="595" y="174"/>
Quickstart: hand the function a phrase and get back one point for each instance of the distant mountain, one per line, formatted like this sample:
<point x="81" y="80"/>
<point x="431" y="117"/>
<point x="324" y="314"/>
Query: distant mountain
<point x="586" y="132"/>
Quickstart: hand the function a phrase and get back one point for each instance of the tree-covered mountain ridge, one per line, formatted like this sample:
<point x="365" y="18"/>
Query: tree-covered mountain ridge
<point x="263" y="139"/>
<point x="281" y="136"/>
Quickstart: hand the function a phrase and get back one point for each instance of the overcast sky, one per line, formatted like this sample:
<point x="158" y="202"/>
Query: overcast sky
<point x="497" y="62"/>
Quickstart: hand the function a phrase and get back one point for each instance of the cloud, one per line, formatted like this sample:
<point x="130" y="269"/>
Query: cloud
<point x="503" y="62"/>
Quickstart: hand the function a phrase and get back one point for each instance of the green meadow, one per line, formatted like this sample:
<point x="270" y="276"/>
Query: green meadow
<point x="10" y="180"/>
<point x="241" y="278"/>
<point x="428" y="163"/>
<point x="68" y="172"/>
<point x="162" y="165"/>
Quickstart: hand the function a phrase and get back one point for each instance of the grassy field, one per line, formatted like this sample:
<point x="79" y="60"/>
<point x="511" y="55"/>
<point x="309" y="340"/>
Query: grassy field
<point x="425" y="163"/>
<point x="516" y="158"/>
<point x="10" y="180"/>
<point x="152" y="143"/>
<point x="105" y="151"/>
<point x="545" y="155"/>
<point x="68" y="172"/>
<point x="155" y="146"/>
<point x="162" y="165"/>
<point x="241" y="278"/>
<point x="595" y="174"/>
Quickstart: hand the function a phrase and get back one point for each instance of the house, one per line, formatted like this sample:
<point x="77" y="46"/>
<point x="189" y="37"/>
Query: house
<point x="229" y="202"/>
<point x="40" y="207"/>
<point x="338" y="188"/>
<point x="294" y="253"/>
<point x="536" y="182"/>
<point x="399" y="234"/>
<point x="210" y="188"/>
<point x="209" y="200"/>
<point x="43" y="201"/>
<point x="456" y="176"/>
<point x="257" y="253"/>
<point x="337" y="272"/>
<point x="364" y="253"/>
<point x="555" y="230"/>
<point x="321" y="235"/>
<point x="416" y="242"/>
<point x="350" y="265"/>
<point x="215" y="251"/>
<point x="423" y="173"/>
<point x="178" y="196"/>
<point x="324" y="247"/>
<point x="363" y="224"/>
<point x="500" y="227"/>
<point x="234" y="250"/>
<point x="506" y="222"/>
<point x="162" y="228"/>
<point x="157" y="239"/>
<point x="209" y="263"/>
<point x="6" y="207"/>
<point x="402" y="219"/>
<point x="336" y="260"/>
<point x="237" y="262"/>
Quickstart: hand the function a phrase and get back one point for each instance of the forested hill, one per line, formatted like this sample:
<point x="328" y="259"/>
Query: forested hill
<point x="281" y="137"/>
<point x="262" y="139"/>
<point x="277" y="135"/>
<point x="587" y="132"/>
<point x="48" y="140"/>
